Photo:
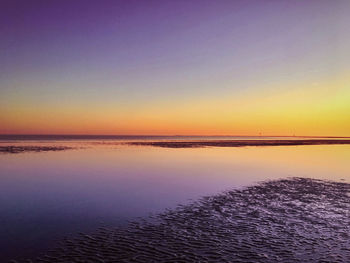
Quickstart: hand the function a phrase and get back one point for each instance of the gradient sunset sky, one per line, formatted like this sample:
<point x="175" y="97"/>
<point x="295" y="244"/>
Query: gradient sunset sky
<point x="275" y="67"/>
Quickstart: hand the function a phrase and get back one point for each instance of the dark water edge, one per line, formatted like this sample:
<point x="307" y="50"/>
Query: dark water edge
<point x="64" y="137"/>
<point x="289" y="220"/>
<point x="68" y="137"/>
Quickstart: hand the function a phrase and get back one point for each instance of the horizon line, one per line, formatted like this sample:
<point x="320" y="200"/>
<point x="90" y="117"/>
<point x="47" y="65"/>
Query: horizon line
<point x="174" y="135"/>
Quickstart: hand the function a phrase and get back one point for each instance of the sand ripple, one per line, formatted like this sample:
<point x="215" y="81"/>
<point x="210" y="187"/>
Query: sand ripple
<point x="292" y="220"/>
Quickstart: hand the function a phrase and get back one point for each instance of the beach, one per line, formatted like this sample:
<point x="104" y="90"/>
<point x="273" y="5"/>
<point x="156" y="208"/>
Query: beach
<point x="179" y="143"/>
<point x="174" y="131"/>
<point x="174" y="199"/>
<point x="290" y="220"/>
<point x="239" y="143"/>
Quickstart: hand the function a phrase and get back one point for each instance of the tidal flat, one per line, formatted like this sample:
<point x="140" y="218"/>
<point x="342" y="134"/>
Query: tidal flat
<point x="28" y="148"/>
<point x="286" y="220"/>
<point x="239" y="143"/>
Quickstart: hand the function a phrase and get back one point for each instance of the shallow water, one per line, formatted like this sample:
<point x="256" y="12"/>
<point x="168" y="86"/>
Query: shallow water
<point x="45" y="196"/>
<point x="287" y="220"/>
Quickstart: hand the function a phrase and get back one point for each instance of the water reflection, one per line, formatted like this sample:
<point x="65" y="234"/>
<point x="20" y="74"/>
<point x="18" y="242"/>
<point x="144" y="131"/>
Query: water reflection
<point x="45" y="196"/>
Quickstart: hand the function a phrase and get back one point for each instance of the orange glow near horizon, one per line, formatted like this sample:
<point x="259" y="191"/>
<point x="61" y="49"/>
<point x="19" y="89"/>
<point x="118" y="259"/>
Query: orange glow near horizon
<point x="179" y="68"/>
<point x="318" y="110"/>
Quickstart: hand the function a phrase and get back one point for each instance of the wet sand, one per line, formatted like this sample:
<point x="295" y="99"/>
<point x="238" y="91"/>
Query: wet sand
<point x="238" y="143"/>
<point x="22" y="149"/>
<point x="183" y="144"/>
<point x="289" y="220"/>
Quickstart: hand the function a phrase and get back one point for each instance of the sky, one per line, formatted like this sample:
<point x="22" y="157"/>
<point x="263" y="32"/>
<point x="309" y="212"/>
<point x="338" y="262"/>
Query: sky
<point x="249" y="67"/>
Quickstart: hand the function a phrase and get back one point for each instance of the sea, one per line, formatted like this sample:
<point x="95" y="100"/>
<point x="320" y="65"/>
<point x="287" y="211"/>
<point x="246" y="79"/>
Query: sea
<point x="102" y="181"/>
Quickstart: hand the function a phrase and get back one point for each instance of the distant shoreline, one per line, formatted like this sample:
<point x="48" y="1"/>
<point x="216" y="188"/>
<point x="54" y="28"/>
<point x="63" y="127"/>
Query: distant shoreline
<point x="176" y="143"/>
<point x="22" y="149"/>
<point x="237" y="143"/>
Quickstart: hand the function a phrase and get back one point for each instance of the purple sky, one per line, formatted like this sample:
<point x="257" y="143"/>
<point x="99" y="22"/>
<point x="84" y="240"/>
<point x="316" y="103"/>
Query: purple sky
<point x="128" y="52"/>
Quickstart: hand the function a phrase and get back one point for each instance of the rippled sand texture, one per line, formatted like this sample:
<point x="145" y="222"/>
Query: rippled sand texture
<point x="21" y="149"/>
<point x="292" y="220"/>
<point x="238" y="143"/>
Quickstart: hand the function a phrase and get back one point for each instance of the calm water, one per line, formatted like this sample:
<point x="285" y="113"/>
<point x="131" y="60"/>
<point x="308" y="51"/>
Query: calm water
<point x="50" y="195"/>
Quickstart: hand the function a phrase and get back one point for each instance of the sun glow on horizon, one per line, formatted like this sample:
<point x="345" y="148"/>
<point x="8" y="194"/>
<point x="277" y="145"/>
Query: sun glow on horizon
<point x="230" y="68"/>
